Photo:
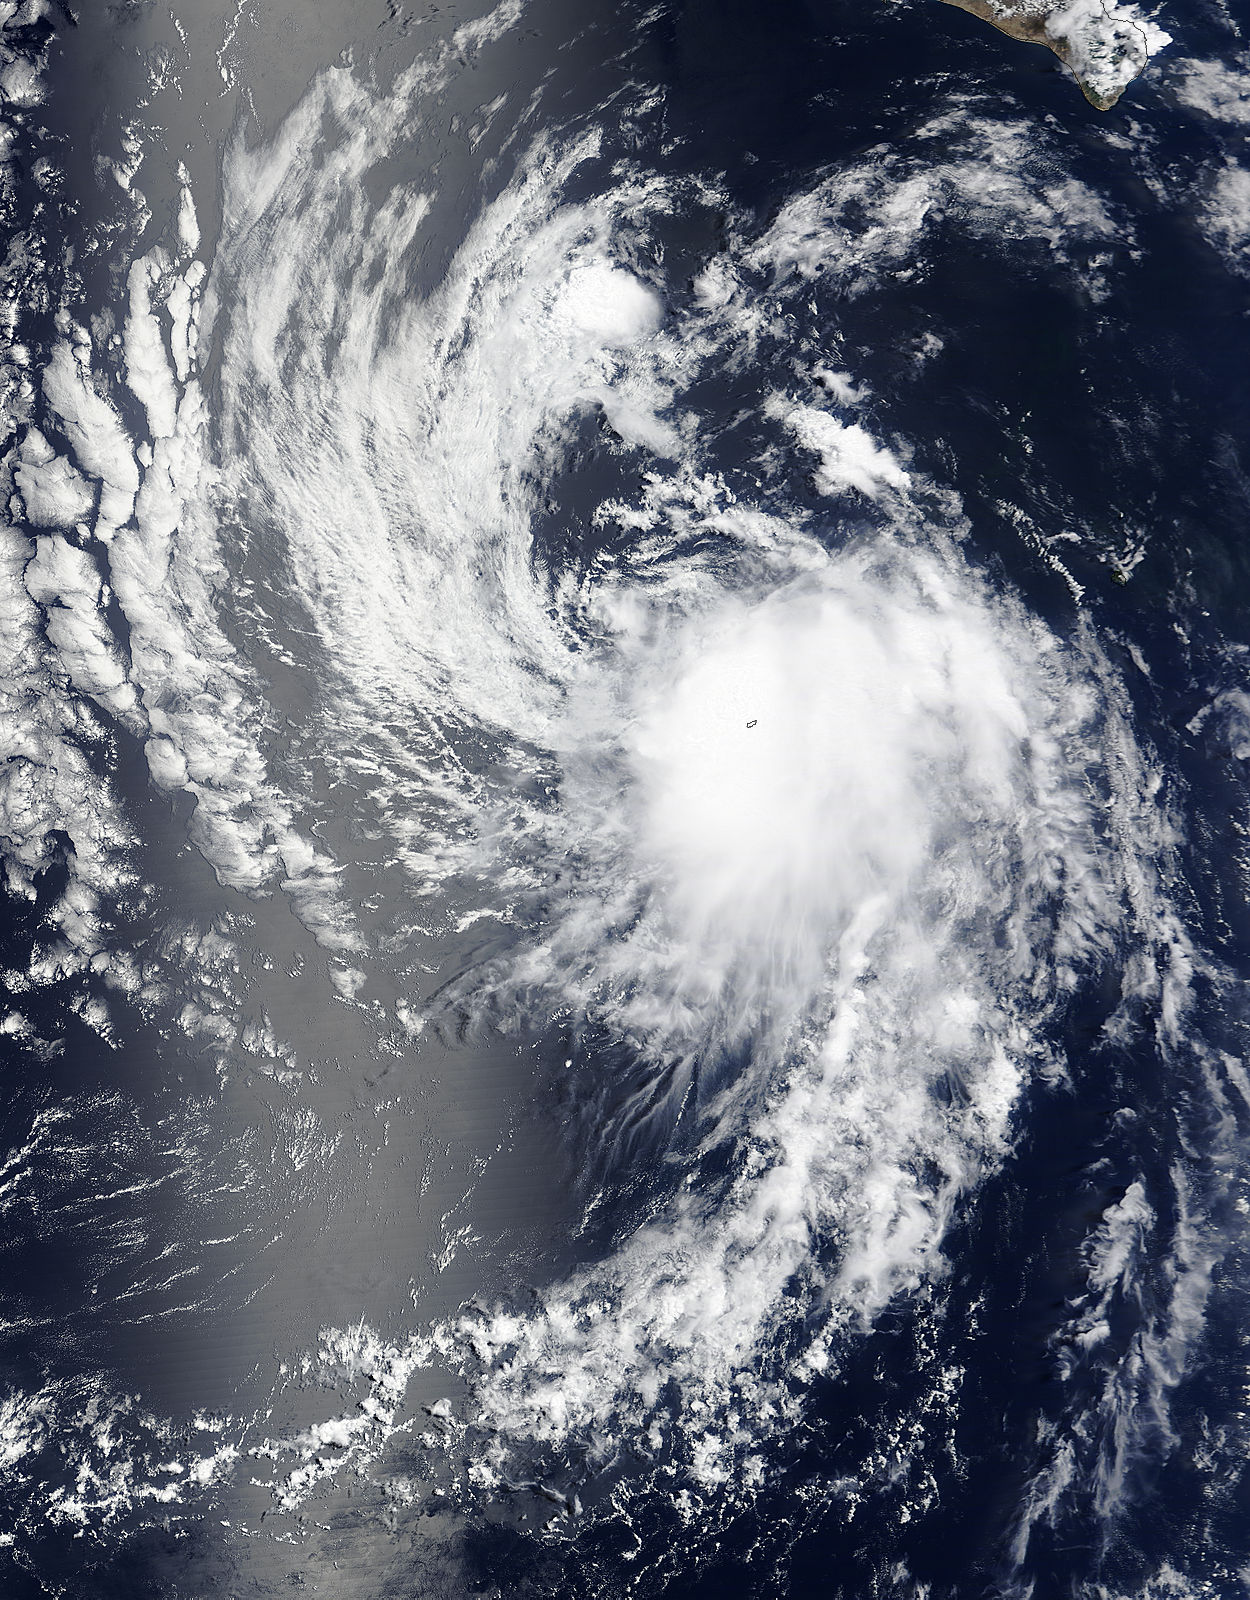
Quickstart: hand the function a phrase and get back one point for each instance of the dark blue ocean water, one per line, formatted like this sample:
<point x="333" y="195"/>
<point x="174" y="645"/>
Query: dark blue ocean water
<point x="1107" y="403"/>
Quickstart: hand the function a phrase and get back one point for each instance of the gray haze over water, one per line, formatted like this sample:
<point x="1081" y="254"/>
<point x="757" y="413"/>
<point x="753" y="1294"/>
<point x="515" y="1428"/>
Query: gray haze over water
<point x="619" y="805"/>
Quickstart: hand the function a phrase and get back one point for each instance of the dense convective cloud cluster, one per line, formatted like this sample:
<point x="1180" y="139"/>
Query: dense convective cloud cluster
<point x="777" y="792"/>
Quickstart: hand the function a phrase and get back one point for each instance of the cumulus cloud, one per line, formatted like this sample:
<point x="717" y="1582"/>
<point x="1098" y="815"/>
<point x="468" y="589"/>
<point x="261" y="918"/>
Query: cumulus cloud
<point x="1225" y="215"/>
<point x="849" y="457"/>
<point x="1107" y="46"/>
<point x="819" y="831"/>
<point x="806" y="827"/>
<point x="1220" y="89"/>
<point x="54" y="494"/>
<point x="989" y="177"/>
<point x="95" y="434"/>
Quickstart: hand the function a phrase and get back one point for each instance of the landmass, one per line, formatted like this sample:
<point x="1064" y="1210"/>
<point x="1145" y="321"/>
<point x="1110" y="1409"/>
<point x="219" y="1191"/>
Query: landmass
<point x="1105" y="45"/>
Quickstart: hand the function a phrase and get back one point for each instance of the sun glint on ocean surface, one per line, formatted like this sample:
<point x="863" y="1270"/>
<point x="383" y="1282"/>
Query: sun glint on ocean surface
<point x="624" y="703"/>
